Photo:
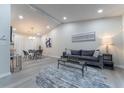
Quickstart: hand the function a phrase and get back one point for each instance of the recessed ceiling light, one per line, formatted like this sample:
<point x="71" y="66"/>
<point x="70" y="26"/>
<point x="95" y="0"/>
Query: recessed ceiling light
<point x="21" y="17"/>
<point x="65" y="18"/>
<point x="100" y="11"/>
<point x="14" y="29"/>
<point x="48" y="27"/>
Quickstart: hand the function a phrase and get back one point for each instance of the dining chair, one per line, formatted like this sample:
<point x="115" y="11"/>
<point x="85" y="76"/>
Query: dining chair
<point x="26" y="55"/>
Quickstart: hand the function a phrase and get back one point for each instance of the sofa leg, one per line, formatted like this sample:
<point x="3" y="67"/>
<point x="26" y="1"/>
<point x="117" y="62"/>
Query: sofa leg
<point x="83" y="70"/>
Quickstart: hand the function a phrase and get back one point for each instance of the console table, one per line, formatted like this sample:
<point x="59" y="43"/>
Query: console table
<point x="15" y="63"/>
<point x="72" y="59"/>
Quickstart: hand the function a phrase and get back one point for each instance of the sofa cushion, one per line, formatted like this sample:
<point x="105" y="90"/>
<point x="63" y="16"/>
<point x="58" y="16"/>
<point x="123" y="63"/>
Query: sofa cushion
<point x="90" y="58"/>
<point x="76" y="52"/>
<point x="87" y="52"/>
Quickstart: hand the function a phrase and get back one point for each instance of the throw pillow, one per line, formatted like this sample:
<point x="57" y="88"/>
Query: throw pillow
<point x="68" y="52"/>
<point x="96" y="53"/>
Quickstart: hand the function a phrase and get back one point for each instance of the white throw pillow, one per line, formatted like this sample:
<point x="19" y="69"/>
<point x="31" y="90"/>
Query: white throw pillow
<point x="96" y="53"/>
<point x="68" y="52"/>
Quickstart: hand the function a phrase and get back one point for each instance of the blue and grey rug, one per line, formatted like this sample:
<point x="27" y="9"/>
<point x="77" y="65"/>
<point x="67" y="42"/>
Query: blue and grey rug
<point x="65" y="77"/>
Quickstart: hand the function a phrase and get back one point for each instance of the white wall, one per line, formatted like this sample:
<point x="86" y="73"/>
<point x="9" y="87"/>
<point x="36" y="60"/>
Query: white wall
<point x="22" y="42"/>
<point x="5" y="45"/>
<point x="123" y="34"/>
<point x="61" y="37"/>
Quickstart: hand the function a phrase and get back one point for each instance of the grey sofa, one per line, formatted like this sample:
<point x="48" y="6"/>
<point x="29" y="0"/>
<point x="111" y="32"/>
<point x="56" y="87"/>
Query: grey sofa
<point x="87" y="55"/>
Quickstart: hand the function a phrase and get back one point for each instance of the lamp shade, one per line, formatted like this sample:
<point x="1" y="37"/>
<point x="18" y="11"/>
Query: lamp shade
<point x="107" y="41"/>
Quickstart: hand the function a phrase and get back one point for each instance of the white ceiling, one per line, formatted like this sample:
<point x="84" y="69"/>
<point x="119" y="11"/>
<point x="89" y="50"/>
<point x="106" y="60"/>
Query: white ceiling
<point x="39" y="16"/>
<point x="32" y="18"/>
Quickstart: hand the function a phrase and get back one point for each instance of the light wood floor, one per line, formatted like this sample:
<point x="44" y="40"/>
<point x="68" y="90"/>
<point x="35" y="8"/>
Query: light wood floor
<point x="26" y="77"/>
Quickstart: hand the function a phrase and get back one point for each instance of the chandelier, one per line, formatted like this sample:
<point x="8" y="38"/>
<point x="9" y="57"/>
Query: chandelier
<point x="32" y="37"/>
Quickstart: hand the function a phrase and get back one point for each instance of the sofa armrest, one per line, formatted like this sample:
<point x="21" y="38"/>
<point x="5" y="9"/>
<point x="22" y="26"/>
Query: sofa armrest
<point x="64" y="55"/>
<point x="61" y="56"/>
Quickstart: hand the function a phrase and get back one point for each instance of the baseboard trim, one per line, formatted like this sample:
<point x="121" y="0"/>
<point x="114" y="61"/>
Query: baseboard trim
<point x="4" y="75"/>
<point x="119" y="66"/>
<point x="55" y="56"/>
<point x="52" y="56"/>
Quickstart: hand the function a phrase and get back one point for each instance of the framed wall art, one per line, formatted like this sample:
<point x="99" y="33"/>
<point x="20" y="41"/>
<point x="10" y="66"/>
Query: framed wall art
<point x="84" y="37"/>
<point x="48" y="43"/>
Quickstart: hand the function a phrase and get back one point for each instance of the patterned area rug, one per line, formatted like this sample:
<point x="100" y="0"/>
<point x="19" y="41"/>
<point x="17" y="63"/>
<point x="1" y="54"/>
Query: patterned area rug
<point x="65" y="77"/>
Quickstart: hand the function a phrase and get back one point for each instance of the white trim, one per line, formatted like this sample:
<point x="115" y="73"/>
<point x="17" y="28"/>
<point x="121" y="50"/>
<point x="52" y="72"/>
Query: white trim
<point x="4" y="75"/>
<point x="119" y="66"/>
<point x="52" y="56"/>
<point x="55" y="56"/>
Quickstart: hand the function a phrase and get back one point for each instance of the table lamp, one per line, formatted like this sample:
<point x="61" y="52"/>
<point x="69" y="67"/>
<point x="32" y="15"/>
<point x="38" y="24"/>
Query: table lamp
<point x="107" y="41"/>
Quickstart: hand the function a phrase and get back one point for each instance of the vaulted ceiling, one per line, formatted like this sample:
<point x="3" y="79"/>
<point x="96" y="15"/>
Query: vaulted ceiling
<point x="40" y="19"/>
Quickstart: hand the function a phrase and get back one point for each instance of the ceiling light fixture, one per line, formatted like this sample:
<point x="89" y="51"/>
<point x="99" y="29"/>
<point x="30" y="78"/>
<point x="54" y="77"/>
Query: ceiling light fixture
<point x="100" y="11"/>
<point x="21" y="17"/>
<point x="48" y="27"/>
<point x="14" y="29"/>
<point x="31" y="37"/>
<point x="65" y="18"/>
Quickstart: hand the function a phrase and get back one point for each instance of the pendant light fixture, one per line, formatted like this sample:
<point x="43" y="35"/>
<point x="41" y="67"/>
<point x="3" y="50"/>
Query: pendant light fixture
<point x="32" y="37"/>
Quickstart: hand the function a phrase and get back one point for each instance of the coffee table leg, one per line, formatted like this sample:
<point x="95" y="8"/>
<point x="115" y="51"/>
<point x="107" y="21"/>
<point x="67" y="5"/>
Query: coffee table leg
<point x="58" y="64"/>
<point x="64" y="63"/>
<point x="83" y="70"/>
<point x="86" y="66"/>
